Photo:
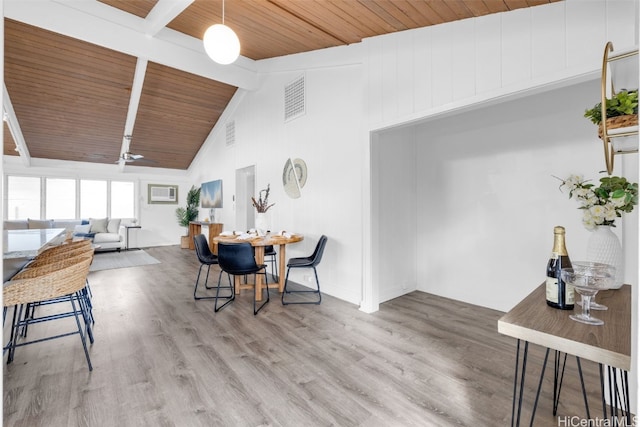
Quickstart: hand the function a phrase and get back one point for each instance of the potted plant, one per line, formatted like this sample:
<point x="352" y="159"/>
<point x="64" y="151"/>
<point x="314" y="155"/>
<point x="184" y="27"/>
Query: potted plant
<point x="262" y="206"/>
<point x="621" y="109"/>
<point x="189" y="213"/>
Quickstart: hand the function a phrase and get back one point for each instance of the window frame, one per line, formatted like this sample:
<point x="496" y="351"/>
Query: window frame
<point x="43" y="195"/>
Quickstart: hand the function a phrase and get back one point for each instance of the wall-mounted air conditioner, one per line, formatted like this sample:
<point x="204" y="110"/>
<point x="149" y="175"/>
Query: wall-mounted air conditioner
<point x="163" y="193"/>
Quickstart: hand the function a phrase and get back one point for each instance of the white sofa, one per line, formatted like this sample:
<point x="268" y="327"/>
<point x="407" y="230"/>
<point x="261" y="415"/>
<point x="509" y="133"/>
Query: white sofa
<point x="106" y="233"/>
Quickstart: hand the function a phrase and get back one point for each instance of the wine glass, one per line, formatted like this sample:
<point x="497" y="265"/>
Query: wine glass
<point x="594" y="305"/>
<point x="588" y="278"/>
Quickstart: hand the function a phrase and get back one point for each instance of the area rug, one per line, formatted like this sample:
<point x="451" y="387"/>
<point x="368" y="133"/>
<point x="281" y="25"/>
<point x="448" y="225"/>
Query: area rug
<point x="124" y="259"/>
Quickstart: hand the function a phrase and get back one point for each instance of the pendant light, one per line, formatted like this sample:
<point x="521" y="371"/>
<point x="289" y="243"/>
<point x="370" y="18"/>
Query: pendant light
<point x="221" y="43"/>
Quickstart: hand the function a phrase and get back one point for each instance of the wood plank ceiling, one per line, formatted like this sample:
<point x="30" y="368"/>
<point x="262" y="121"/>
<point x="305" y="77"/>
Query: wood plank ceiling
<point x="71" y="99"/>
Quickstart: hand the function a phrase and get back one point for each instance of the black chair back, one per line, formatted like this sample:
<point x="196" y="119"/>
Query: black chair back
<point x="237" y="258"/>
<point x="202" y="249"/>
<point x="316" y="257"/>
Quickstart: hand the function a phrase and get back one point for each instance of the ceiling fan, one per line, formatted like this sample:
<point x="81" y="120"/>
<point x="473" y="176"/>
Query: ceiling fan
<point x="129" y="157"/>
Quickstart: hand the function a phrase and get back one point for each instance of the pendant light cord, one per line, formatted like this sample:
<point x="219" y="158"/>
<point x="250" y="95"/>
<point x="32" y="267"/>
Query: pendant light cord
<point x="222" y="12"/>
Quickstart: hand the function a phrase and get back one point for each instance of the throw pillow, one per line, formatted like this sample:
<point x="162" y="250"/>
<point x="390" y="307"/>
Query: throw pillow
<point x="85" y="235"/>
<point x="84" y="229"/>
<point x="114" y="225"/>
<point x="39" y="223"/>
<point x="98" y="225"/>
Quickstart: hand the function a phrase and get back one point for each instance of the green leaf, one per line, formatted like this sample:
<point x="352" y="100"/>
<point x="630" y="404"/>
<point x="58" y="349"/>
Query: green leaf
<point x="618" y="193"/>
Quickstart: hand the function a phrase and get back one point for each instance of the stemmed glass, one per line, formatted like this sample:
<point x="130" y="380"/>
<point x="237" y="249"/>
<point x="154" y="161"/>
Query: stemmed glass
<point x="594" y="305"/>
<point x="588" y="278"/>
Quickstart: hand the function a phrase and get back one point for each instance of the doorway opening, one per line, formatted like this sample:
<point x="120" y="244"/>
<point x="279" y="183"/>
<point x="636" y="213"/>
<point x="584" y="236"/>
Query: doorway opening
<point x="245" y="189"/>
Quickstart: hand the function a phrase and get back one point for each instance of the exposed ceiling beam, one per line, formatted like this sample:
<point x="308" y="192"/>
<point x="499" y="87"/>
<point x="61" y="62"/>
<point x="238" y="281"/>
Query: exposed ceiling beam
<point x="103" y="25"/>
<point x="164" y="12"/>
<point x="14" y="127"/>
<point x="132" y="112"/>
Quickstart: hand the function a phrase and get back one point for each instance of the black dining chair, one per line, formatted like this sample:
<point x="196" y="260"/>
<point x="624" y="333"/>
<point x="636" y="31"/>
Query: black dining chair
<point x="206" y="257"/>
<point x="237" y="259"/>
<point x="306" y="262"/>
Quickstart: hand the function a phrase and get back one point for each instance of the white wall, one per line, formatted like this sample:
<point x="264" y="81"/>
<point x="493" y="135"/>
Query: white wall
<point x="419" y="73"/>
<point x="474" y="196"/>
<point x="396" y="221"/>
<point x="326" y="138"/>
<point x="488" y="200"/>
<point x="434" y="72"/>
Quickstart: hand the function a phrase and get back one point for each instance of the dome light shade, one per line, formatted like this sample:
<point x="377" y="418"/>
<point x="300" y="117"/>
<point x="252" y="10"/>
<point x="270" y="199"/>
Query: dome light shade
<point x="221" y="44"/>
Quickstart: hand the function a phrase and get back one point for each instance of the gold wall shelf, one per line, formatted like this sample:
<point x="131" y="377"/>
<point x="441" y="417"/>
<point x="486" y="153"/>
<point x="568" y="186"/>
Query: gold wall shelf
<point x="618" y="140"/>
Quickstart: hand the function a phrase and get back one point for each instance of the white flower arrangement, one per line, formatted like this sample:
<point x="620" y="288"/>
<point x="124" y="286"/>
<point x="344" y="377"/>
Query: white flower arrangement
<point x="602" y="205"/>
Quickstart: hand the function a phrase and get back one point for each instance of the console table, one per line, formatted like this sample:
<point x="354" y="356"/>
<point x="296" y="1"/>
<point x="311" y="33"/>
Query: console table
<point x="609" y="345"/>
<point x="129" y="227"/>
<point x="195" y="227"/>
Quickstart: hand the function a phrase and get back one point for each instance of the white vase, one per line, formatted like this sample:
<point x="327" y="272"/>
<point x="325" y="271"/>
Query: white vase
<point x="262" y="223"/>
<point x="604" y="246"/>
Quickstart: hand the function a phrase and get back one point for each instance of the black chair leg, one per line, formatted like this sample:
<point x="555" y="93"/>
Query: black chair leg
<point x="274" y="269"/>
<point x="228" y="298"/>
<point x="314" y="291"/>
<point x="195" y="289"/>
<point x="206" y="280"/>
<point x="266" y="289"/>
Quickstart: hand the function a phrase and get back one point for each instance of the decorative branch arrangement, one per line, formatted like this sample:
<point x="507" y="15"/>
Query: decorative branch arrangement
<point x="262" y="205"/>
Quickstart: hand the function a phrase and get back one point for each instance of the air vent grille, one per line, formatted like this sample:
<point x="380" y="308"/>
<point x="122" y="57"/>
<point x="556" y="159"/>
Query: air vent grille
<point x="231" y="133"/>
<point x="294" y="99"/>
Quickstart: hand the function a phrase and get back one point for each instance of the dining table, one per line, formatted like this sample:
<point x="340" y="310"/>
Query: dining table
<point x="259" y="243"/>
<point x="20" y="246"/>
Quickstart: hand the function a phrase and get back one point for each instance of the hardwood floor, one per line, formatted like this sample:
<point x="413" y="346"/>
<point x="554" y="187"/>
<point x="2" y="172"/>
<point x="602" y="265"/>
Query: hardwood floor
<point x="162" y="359"/>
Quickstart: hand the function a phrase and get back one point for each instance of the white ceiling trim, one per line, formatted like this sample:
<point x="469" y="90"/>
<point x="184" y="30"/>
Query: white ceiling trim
<point x="132" y="112"/>
<point x="14" y="127"/>
<point x="164" y="12"/>
<point x="114" y="29"/>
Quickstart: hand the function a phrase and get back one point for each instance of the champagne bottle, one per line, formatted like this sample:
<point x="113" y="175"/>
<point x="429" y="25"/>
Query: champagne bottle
<point x="559" y="295"/>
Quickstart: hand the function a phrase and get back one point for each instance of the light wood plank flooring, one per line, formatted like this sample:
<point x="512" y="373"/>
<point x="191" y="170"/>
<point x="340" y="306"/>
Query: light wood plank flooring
<point x="162" y="359"/>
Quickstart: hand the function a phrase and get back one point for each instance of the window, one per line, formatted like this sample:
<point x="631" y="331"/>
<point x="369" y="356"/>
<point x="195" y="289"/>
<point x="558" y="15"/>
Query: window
<point x="60" y="198"/>
<point x="68" y="198"/>
<point x="93" y="199"/>
<point x="122" y="198"/>
<point x="23" y="197"/>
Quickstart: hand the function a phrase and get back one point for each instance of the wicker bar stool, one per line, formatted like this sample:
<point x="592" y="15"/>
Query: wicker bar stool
<point x="57" y="264"/>
<point x="64" y="252"/>
<point x="64" y="247"/>
<point x="63" y="282"/>
<point x="58" y="256"/>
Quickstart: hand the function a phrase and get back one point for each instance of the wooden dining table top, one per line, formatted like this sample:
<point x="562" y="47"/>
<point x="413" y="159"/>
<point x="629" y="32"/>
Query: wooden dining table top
<point x="268" y="240"/>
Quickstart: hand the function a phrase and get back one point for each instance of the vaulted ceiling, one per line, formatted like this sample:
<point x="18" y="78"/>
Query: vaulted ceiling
<point x="88" y="80"/>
